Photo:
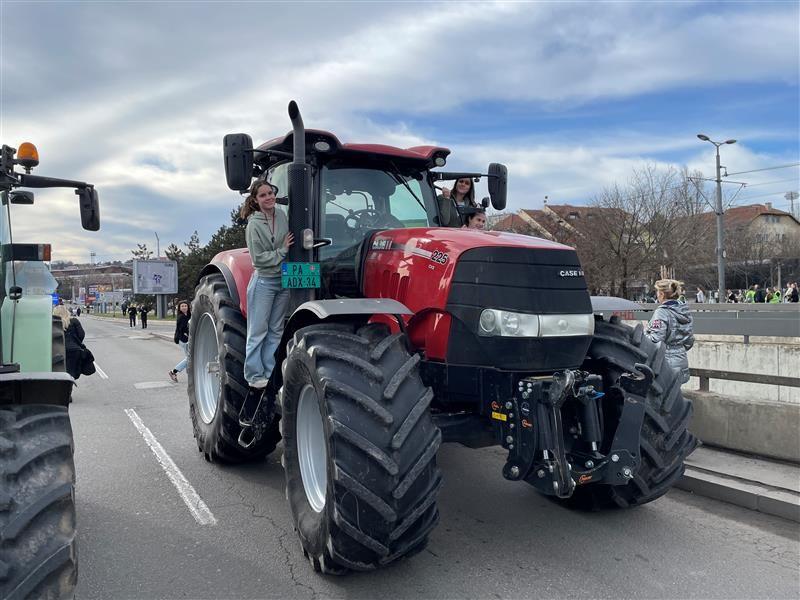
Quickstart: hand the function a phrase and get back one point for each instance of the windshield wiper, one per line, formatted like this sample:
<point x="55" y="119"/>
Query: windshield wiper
<point x="398" y="177"/>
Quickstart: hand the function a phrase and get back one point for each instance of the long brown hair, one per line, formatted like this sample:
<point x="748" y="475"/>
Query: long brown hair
<point x="250" y="204"/>
<point x="469" y="197"/>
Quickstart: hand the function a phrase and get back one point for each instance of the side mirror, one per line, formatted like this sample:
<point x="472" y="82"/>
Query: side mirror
<point x="90" y="208"/>
<point x="485" y="202"/>
<point x="20" y="197"/>
<point x="237" y="149"/>
<point x="498" y="182"/>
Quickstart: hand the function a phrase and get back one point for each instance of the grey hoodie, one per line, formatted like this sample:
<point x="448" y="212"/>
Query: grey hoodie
<point x="672" y="324"/>
<point x="265" y="242"/>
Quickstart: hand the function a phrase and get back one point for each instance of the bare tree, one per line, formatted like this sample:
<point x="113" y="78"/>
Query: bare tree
<point x="648" y="224"/>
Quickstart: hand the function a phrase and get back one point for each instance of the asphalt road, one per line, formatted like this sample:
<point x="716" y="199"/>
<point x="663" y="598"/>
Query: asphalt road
<point x="496" y="539"/>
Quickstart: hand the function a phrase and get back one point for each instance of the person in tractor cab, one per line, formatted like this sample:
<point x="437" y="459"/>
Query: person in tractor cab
<point x="672" y="324"/>
<point x="476" y="220"/>
<point x="462" y="195"/>
<point x="268" y="240"/>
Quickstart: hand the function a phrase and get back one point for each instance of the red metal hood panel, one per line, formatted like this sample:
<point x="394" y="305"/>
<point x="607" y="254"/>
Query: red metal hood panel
<point x="415" y="266"/>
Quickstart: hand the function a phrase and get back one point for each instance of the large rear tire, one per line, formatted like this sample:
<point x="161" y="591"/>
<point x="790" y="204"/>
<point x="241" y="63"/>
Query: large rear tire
<point x="359" y="447"/>
<point x="665" y="438"/>
<point x="37" y="503"/>
<point x="215" y="369"/>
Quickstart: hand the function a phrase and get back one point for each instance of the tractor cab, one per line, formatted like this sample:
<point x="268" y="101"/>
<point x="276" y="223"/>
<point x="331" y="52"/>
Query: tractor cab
<point x="339" y="195"/>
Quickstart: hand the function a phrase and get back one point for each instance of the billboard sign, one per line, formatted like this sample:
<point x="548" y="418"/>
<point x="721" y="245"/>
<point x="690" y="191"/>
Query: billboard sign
<point x="155" y="277"/>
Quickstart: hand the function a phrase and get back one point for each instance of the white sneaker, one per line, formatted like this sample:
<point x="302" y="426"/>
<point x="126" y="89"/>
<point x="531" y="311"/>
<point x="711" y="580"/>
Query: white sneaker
<point x="259" y="384"/>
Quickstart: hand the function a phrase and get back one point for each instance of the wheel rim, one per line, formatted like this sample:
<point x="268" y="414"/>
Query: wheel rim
<point x="206" y="368"/>
<point x="311" y="448"/>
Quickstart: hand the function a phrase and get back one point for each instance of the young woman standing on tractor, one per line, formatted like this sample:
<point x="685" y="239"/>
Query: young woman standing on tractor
<point x="268" y="240"/>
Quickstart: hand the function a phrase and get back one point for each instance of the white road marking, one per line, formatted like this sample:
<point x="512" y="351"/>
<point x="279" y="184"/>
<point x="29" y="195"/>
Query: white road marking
<point x="193" y="501"/>
<point x="150" y="385"/>
<point x="100" y="371"/>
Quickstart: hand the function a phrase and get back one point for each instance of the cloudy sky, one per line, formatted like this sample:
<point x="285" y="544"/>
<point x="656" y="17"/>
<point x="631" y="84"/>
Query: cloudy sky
<point x="136" y="96"/>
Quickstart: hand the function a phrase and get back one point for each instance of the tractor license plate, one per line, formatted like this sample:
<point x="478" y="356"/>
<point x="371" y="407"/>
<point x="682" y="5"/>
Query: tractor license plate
<point x="300" y="275"/>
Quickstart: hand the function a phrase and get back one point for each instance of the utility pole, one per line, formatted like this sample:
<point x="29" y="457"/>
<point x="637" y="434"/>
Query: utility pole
<point x="720" y="221"/>
<point x="791" y="197"/>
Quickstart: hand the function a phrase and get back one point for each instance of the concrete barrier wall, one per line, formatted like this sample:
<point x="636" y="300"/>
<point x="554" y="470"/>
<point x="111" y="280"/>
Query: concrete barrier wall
<point x="771" y="356"/>
<point x="752" y="426"/>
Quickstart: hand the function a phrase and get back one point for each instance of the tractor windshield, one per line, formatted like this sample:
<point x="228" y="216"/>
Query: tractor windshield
<point x="356" y="200"/>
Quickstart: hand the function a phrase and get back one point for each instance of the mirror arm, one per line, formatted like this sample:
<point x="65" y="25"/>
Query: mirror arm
<point x="36" y="181"/>
<point x="443" y="176"/>
<point x="280" y="153"/>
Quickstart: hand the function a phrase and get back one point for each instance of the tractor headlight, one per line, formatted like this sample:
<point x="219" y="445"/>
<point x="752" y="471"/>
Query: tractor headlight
<point x="565" y="325"/>
<point x="494" y="322"/>
<point x="505" y="323"/>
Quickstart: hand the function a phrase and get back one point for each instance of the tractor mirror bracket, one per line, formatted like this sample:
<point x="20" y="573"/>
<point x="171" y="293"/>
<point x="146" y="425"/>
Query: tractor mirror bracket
<point x="20" y="197"/>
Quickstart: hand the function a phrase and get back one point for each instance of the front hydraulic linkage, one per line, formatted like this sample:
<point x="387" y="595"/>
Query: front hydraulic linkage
<point x="534" y="423"/>
<point x="533" y="431"/>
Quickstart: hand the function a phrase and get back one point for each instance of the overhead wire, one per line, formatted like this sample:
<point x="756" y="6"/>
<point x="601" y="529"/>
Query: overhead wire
<point x="764" y="169"/>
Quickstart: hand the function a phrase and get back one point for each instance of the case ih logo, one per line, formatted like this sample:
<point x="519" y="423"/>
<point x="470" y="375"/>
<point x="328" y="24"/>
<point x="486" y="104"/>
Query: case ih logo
<point x="571" y="273"/>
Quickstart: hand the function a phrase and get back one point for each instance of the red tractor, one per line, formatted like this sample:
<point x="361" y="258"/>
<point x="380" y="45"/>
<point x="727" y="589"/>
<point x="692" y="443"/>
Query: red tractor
<point x="402" y="335"/>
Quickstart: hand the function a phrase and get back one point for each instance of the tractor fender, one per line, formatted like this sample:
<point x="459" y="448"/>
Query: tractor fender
<point x="324" y="309"/>
<point x="612" y="303"/>
<point x="608" y="306"/>
<point x="36" y="388"/>
<point x="221" y="267"/>
<point x="317" y="311"/>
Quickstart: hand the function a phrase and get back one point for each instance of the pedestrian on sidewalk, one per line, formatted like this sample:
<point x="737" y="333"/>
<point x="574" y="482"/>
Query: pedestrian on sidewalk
<point x="701" y="297"/>
<point x="672" y="324"/>
<point x="760" y="296"/>
<point x="132" y="315"/>
<point x="182" y="337"/>
<point x="268" y="240"/>
<point x="794" y="295"/>
<point x="143" y="315"/>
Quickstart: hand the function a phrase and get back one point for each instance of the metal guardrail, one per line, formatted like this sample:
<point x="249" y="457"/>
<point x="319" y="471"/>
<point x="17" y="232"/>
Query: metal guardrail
<point x="774" y="320"/>
<point x="707" y="374"/>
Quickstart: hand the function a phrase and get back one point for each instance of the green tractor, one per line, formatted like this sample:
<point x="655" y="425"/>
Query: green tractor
<point x="37" y="474"/>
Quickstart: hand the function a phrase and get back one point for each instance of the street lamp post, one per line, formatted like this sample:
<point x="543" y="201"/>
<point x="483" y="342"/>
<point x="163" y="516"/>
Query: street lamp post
<point x="720" y="221"/>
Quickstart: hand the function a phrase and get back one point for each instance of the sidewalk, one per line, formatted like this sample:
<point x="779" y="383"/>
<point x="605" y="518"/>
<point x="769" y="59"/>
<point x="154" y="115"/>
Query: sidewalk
<point x="760" y="484"/>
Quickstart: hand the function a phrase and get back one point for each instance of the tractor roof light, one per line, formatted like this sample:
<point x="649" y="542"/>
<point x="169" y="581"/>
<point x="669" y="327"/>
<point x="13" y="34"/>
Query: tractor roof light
<point x="27" y="156"/>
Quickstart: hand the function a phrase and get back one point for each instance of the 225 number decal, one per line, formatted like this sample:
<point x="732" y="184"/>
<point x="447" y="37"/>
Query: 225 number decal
<point x="439" y="257"/>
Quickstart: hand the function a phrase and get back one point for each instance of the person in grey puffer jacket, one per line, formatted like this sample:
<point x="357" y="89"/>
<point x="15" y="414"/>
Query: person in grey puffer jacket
<point x="672" y="324"/>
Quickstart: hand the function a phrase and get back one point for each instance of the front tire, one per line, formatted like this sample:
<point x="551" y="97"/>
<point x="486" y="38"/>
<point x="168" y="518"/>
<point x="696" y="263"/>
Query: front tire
<point x="215" y="369"/>
<point x="37" y="503"/>
<point x="665" y="438"/>
<point x="359" y="447"/>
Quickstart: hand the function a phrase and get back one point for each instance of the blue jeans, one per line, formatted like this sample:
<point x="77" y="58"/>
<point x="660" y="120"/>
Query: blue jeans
<point x="182" y="365"/>
<point x="267" y="303"/>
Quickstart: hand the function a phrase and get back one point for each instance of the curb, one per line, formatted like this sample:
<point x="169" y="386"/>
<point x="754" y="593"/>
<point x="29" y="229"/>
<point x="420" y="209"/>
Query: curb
<point x="748" y="494"/>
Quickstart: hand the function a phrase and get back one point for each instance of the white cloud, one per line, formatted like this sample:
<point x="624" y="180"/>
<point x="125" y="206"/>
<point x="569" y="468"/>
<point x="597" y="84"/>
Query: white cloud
<point x="139" y="95"/>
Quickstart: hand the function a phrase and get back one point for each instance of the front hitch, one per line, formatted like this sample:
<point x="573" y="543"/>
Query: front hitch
<point x="533" y="431"/>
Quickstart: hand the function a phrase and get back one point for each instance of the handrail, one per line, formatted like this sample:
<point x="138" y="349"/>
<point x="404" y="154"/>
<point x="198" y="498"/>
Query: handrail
<point x="706" y="374"/>
<point x="771" y="320"/>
